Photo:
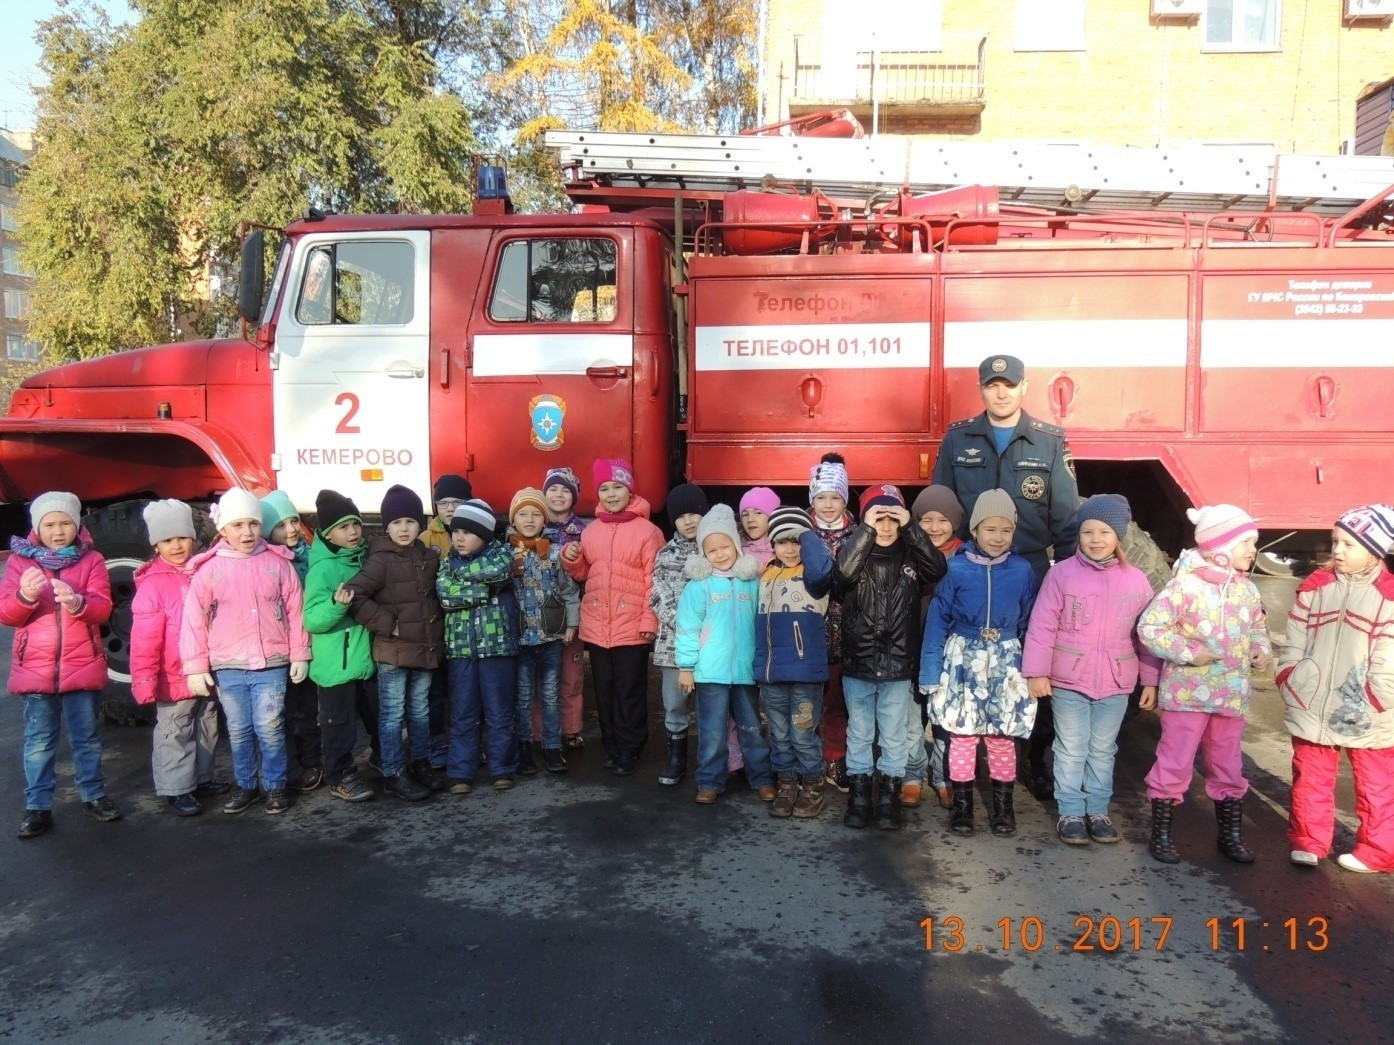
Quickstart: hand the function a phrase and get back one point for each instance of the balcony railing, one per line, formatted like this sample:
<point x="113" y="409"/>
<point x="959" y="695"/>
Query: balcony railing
<point x="910" y="79"/>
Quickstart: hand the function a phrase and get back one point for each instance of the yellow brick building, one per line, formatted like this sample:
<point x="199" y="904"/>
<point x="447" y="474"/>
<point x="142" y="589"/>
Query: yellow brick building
<point x="1110" y="72"/>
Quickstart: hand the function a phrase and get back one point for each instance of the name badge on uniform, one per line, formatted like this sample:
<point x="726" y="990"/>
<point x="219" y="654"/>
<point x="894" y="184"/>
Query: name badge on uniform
<point x="964" y="459"/>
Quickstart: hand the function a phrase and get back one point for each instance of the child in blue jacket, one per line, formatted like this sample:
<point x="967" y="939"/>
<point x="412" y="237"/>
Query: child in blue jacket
<point x="791" y="658"/>
<point x="716" y="654"/>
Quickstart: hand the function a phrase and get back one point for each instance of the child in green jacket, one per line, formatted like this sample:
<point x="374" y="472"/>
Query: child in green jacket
<point x="342" y="649"/>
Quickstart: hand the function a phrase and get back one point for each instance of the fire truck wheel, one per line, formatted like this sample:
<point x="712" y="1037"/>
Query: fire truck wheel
<point x="118" y="532"/>
<point x="1142" y="551"/>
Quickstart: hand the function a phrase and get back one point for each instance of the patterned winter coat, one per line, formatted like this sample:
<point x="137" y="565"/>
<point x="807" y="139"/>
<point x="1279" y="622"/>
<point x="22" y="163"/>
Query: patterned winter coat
<point x="833" y="539"/>
<point x="342" y="648"/>
<point x="481" y="611"/>
<point x="790" y="641"/>
<point x="716" y="623"/>
<point x="539" y="579"/>
<point x="55" y="651"/>
<point x="396" y="591"/>
<point x="566" y="531"/>
<point x="157" y="613"/>
<point x="1205" y="607"/>
<point x="1083" y="630"/>
<point x="668" y="583"/>
<point x="1336" y="673"/>
<point x="616" y="565"/>
<point x="243" y="611"/>
<point x="971" y="596"/>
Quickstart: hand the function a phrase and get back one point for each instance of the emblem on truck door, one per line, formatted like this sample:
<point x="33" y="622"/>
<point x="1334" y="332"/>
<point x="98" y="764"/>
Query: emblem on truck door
<point x="547" y="414"/>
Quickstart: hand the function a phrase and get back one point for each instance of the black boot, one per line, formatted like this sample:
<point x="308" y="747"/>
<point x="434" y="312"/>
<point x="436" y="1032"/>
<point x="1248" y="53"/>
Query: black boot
<point x="1003" y="816"/>
<point x="1229" y="815"/>
<point x="858" y="800"/>
<point x="888" y="802"/>
<point x="526" y="765"/>
<point x="677" y="760"/>
<point x="961" y="819"/>
<point x="1160" y="846"/>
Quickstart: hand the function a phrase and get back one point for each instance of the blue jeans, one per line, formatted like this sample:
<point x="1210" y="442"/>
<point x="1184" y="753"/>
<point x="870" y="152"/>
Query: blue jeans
<point x="794" y="710"/>
<point x="872" y="707"/>
<point x="715" y="702"/>
<point x="1086" y="740"/>
<point x="43" y="712"/>
<point x="255" y="705"/>
<point x="539" y="677"/>
<point x="481" y="684"/>
<point x="916" y="754"/>
<point x="404" y="694"/>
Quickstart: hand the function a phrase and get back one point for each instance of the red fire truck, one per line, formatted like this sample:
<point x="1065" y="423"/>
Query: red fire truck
<point x="1210" y="324"/>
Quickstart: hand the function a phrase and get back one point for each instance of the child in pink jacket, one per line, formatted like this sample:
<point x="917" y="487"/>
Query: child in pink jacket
<point x="242" y="626"/>
<point x="1082" y="651"/>
<point x="56" y="596"/>
<point x="614" y="559"/>
<point x="186" y="726"/>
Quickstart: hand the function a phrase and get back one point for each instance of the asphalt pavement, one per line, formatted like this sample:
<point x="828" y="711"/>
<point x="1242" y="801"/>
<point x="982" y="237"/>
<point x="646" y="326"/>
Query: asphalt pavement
<point x="590" y="908"/>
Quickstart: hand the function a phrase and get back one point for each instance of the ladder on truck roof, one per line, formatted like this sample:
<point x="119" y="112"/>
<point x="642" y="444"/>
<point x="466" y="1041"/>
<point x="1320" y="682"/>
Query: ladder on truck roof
<point x="634" y="169"/>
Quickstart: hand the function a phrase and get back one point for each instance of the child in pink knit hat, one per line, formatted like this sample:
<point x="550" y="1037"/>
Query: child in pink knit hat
<point x="1208" y="627"/>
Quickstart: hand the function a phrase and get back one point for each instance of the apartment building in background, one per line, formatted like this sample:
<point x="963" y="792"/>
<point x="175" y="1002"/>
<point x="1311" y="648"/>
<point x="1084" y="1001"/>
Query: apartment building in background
<point x="21" y="353"/>
<point x="1109" y="72"/>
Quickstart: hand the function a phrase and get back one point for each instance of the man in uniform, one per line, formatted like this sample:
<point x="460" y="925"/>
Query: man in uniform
<point x="1005" y="447"/>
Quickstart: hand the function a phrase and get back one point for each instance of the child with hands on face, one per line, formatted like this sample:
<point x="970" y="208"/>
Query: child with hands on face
<point x="56" y="596"/>
<point x="686" y="506"/>
<point x="1208" y="627"/>
<point x="972" y="660"/>
<point x="242" y="627"/>
<point x="828" y="491"/>
<point x="1082" y="651"/>
<point x="715" y="651"/>
<point x="186" y="725"/>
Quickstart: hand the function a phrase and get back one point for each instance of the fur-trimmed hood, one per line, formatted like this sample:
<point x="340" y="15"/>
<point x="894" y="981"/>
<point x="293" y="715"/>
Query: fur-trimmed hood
<point x="697" y="568"/>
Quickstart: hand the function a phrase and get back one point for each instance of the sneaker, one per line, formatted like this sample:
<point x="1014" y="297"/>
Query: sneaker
<point x="424" y="775"/>
<point x="277" y="801"/>
<point x="402" y="786"/>
<point x="1101" y="829"/>
<point x="241" y="799"/>
<point x="35" y="823"/>
<point x="459" y="787"/>
<point x="184" y="805"/>
<point x="103" y="809"/>
<point x="573" y="742"/>
<point x="212" y="788"/>
<point x="910" y="794"/>
<point x="553" y="759"/>
<point x="837" y="775"/>
<point x="351" y="789"/>
<point x="308" y="780"/>
<point x="1072" y="830"/>
<point x="503" y="783"/>
<point x="1351" y="862"/>
<point x="706" y="797"/>
<point x="1302" y="858"/>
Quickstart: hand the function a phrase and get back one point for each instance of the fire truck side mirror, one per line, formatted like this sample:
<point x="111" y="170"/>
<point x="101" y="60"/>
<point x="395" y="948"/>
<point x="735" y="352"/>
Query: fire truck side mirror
<point x="252" y="278"/>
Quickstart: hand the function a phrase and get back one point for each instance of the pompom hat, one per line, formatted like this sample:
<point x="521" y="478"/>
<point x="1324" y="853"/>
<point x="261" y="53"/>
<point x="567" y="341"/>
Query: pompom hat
<point x="1111" y="509"/>
<point x="55" y="501"/>
<point x="235" y="506"/>
<point x="1220" y="527"/>
<point x="168" y="518"/>
<point x="828" y="477"/>
<point x="1371" y="525"/>
<point x="992" y="504"/>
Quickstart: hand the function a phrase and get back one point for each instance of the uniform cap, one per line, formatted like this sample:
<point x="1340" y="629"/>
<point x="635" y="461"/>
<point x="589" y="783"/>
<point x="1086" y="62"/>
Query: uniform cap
<point x="1002" y="368"/>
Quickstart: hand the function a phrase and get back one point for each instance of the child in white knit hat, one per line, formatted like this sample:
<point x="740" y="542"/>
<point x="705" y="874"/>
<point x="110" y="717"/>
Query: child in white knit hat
<point x="1208" y="627"/>
<point x="243" y="627"/>
<point x="56" y="596"/>
<point x="186" y="725"/>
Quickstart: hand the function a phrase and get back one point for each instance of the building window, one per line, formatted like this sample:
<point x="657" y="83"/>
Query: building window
<point x="1242" y="25"/>
<point x="14" y="263"/>
<point x="1049" y="25"/>
<point x="20" y="349"/>
<point x="8" y="221"/>
<point x="16" y="304"/>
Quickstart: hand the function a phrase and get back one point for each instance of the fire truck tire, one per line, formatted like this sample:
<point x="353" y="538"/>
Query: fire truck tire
<point x="118" y="532"/>
<point x="1142" y="551"/>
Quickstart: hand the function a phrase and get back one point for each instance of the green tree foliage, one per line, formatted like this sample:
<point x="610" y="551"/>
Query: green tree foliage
<point x="157" y="139"/>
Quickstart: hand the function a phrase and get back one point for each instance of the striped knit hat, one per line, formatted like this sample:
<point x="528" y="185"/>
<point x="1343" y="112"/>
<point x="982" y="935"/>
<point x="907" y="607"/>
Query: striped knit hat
<point x="1219" y="527"/>
<point x="1372" y="525"/>
<point x="476" y="517"/>
<point x="788" y="523"/>
<point x="527" y="497"/>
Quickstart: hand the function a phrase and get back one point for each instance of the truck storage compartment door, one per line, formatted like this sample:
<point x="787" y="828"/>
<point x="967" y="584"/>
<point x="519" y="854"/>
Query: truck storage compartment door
<point x="350" y="391"/>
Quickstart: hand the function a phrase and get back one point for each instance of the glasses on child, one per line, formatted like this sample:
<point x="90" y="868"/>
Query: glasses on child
<point x="448" y="502"/>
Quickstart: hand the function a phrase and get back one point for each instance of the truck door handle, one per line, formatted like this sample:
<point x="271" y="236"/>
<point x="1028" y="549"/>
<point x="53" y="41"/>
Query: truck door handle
<point x="1326" y="394"/>
<point x="611" y="372"/>
<point x="407" y="371"/>
<point x="1062" y="395"/>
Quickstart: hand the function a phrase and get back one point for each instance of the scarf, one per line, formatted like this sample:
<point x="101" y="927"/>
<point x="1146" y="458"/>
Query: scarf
<point x="48" y="558"/>
<point x="539" y="546"/>
<point x="616" y="517"/>
<point x="976" y="554"/>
